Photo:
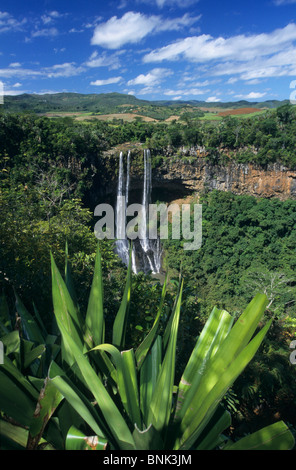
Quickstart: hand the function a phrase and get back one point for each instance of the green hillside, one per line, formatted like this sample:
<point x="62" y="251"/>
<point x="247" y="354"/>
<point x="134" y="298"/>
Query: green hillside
<point x="110" y="103"/>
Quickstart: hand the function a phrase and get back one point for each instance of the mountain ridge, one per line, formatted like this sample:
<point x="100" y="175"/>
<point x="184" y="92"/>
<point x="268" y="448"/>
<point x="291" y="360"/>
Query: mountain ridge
<point x="109" y="102"/>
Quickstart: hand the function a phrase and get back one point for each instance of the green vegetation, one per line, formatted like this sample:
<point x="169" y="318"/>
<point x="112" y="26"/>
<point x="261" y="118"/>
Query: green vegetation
<point x="248" y="246"/>
<point x="113" y="102"/>
<point x="126" y="397"/>
<point x="49" y="169"/>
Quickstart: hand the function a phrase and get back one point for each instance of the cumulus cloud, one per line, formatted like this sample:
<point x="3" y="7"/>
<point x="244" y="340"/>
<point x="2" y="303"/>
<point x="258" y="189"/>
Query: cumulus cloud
<point x="212" y="99"/>
<point x="205" y="48"/>
<point x="152" y="78"/>
<point x="251" y="96"/>
<point x="133" y="27"/>
<point x="112" y="61"/>
<point x="68" y="69"/>
<point x="107" y="81"/>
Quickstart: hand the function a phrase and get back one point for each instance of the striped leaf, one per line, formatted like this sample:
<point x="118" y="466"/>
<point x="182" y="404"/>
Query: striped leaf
<point x="77" y="440"/>
<point x="206" y="400"/>
<point x="161" y="403"/>
<point x="148" y="340"/>
<point x="277" y="436"/>
<point x="120" y="322"/>
<point x="114" y="419"/>
<point x="213" y="333"/>
<point x="66" y="313"/>
<point x="148" y="376"/>
<point x="94" y="320"/>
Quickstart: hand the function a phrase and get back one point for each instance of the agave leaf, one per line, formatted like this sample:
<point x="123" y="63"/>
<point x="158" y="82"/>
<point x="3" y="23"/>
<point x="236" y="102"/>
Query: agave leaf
<point x="161" y="403"/>
<point x="66" y="312"/>
<point x="120" y="322"/>
<point x="207" y="398"/>
<point x="147" y="439"/>
<point x="48" y="401"/>
<point x="126" y="379"/>
<point x="11" y="342"/>
<point x="76" y="398"/>
<point x="149" y="375"/>
<point x="18" y="397"/>
<point x="211" y="436"/>
<point x="213" y="333"/>
<point x="276" y="436"/>
<point x="33" y="354"/>
<point x="116" y="422"/>
<point x="148" y="340"/>
<point x="95" y="310"/>
<point x="228" y="351"/>
<point x="76" y="440"/>
<point x="68" y="278"/>
<point x="131" y="386"/>
<point x="29" y="325"/>
<point x="16" y="434"/>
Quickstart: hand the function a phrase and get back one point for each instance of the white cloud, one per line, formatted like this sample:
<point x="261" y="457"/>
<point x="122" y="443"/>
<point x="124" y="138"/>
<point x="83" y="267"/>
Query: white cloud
<point x="248" y="58"/>
<point x="205" y="48"/>
<point x="45" y="32"/>
<point x="168" y="3"/>
<point x="9" y="24"/>
<point x="251" y="96"/>
<point x="212" y="99"/>
<point x="152" y="78"/>
<point x="133" y="27"/>
<point x="232" y="80"/>
<point x="187" y="92"/>
<point x="107" y="81"/>
<point x="68" y="69"/>
<point x="13" y="92"/>
<point x="112" y="61"/>
<point x="18" y="72"/>
<point x="148" y="90"/>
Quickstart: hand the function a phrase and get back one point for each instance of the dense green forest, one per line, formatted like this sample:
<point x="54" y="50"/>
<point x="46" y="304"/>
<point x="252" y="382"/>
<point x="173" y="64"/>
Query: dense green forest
<point x="47" y="168"/>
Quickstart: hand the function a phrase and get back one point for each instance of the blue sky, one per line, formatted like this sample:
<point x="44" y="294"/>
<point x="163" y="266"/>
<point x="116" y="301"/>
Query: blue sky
<point x="206" y="50"/>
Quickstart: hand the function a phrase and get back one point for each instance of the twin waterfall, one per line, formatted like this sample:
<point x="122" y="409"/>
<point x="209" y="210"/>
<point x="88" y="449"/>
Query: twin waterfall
<point x="146" y="253"/>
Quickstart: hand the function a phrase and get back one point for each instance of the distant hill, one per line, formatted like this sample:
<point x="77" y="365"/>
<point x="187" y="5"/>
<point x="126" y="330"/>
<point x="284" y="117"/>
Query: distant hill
<point x="110" y="103"/>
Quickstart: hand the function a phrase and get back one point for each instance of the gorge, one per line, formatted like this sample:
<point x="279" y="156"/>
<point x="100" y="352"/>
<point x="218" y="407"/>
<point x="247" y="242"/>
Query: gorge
<point x="187" y="171"/>
<point x="175" y="178"/>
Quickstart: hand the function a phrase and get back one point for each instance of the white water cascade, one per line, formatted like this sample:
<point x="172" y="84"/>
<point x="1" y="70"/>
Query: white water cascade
<point x="146" y="253"/>
<point x="122" y="245"/>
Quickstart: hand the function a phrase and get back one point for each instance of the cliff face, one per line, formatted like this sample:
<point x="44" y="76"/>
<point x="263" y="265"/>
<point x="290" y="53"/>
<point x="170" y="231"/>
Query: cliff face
<point x="190" y="171"/>
<point x="273" y="181"/>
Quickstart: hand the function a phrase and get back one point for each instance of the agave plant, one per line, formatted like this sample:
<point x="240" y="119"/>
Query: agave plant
<point x="101" y="395"/>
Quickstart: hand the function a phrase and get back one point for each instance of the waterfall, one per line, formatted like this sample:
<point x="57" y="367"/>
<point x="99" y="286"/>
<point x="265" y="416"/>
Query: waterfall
<point x="146" y="253"/>
<point x="122" y="246"/>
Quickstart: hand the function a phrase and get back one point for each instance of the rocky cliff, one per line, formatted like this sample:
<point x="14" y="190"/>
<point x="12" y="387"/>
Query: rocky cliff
<point x="198" y="174"/>
<point x="190" y="171"/>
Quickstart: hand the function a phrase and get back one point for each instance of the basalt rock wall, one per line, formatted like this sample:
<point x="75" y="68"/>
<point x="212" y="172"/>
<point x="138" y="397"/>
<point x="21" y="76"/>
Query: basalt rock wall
<point x="191" y="171"/>
<point x="198" y="174"/>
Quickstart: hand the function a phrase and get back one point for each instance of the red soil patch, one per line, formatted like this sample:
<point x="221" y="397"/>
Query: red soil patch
<point x="239" y="111"/>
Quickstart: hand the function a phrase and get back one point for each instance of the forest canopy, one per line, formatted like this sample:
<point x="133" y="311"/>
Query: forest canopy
<point x="46" y="175"/>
